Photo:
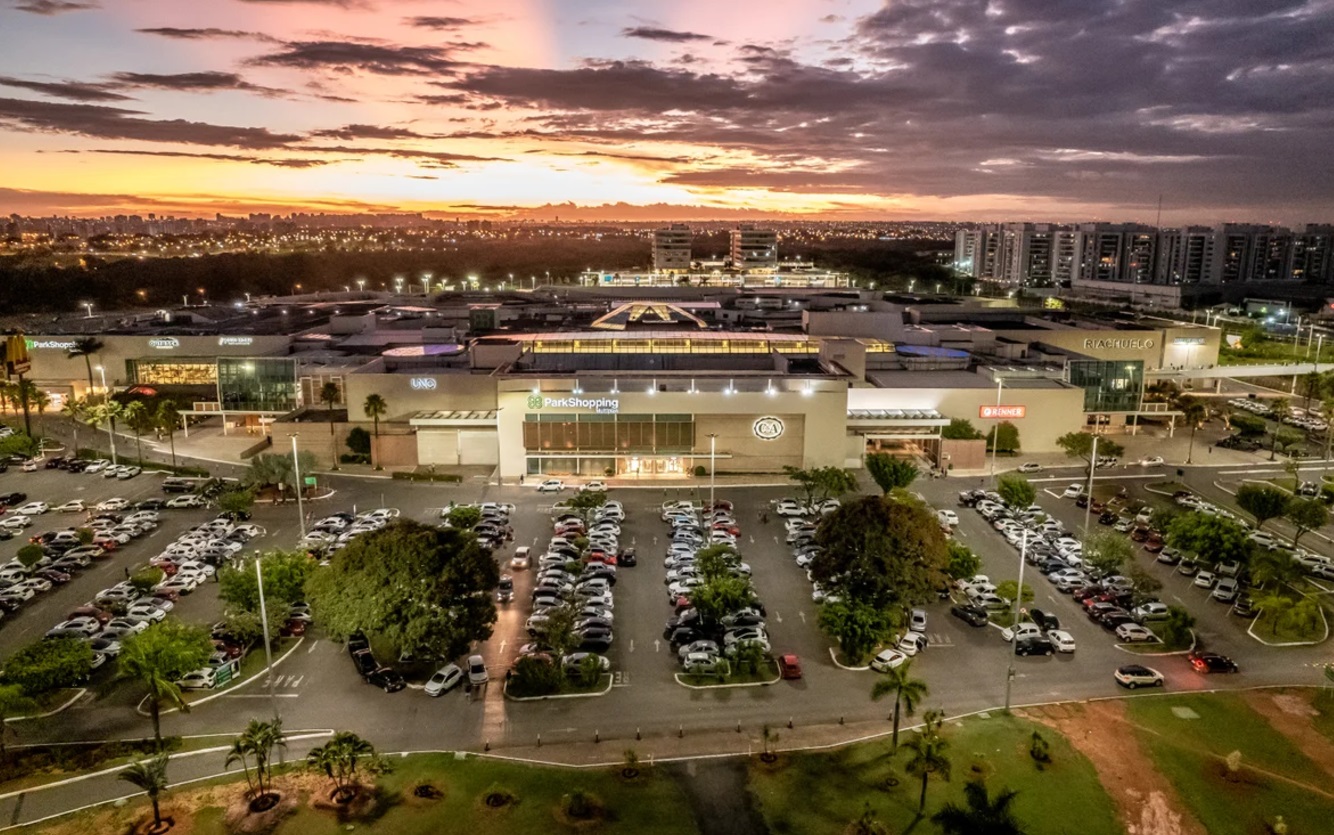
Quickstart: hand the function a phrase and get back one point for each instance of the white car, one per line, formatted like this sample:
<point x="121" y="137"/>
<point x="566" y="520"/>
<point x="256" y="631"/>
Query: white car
<point x="1023" y="632"/>
<point x="97" y="466"/>
<point x="593" y="487"/>
<point x="1072" y="491"/>
<point x="205" y="679"/>
<point x="188" y="500"/>
<point x="73" y="506"/>
<point x="789" y="507"/>
<point x="887" y="660"/>
<point x="16" y="521"/>
<point x="948" y="517"/>
<point x="1062" y="640"/>
<point x="521" y="558"/>
<point x="445" y="679"/>
<point x="1152" y="461"/>
<point x="112" y="504"/>
<point x="1030" y="467"/>
<point x="1133" y="633"/>
<point x="33" y="509"/>
<point x="146" y="612"/>
<point x="551" y="485"/>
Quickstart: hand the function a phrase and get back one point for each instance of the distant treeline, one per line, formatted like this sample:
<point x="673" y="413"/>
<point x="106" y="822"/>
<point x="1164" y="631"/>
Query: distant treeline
<point x="27" y="286"/>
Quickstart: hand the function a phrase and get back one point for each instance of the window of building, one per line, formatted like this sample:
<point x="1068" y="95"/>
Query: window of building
<point x="1109" y="385"/>
<point x="257" y="384"/>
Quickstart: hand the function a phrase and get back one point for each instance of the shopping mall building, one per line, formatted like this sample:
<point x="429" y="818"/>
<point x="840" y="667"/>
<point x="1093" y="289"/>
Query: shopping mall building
<point x="644" y="386"/>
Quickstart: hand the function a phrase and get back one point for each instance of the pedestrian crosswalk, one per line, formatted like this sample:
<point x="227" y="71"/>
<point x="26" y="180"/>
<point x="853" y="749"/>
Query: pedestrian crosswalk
<point x="935" y="639"/>
<point x="287" y="682"/>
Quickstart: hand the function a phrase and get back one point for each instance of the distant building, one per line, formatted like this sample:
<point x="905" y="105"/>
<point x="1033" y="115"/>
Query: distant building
<point x="754" y="249"/>
<point x="671" y="248"/>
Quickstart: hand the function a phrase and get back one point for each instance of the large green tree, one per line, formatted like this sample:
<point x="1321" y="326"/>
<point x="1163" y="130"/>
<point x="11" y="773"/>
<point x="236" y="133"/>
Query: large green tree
<point x="1193" y="412"/>
<point x="1008" y="435"/>
<point x="822" y="483"/>
<point x="423" y="588"/>
<point x="1246" y="425"/>
<point x="1215" y="539"/>
<point x="1080" y="445"/>
<point x="1107" y="552"/>
<point x="1016" y="491"/>
<point x="1262" y="502"/>
<point x="980" y="814"/>
<point x="1306" y="515"/>
<point x="906" y="690"/>
<point x="890" y="472"/>
<point x="960" y="429"/>
<point x="49" y="664"/>
<point x="239" y="501"/>
<point x="158" y="657"/>
<point x="962" y="562"/>
<point x="858" y="627"/>
<point x="167" y="419"/>
<point x="887" y="551"/>
<point x="285" y="574"/>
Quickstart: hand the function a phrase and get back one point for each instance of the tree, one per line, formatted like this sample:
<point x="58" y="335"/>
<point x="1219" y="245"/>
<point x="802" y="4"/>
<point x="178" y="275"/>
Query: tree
<point x="285" y="574"/>
<point x="1080" y="445"/>
<point x="960" y="429"/>
<point x="257" y="742"/>
<point x="29" y="555"/>
<point x="150" y="775"/>
<point x="13" y="703"/>
<point x="146" y="578"/>
<point x="77" y="411"/>
<point x="962" y="561"/>
<point x="237" y="501"/>
<point x="1176" y="628"/>
<point x="981" y="814"/>
<point x="359" y="441"/>
<point x="1287" y="440"/>
<point x="375" y="408"/>
<point x="586" y="503"/>
<point x="1262" y="502"/>
<point x="1016" y="491"/>
<point x="906" y="690"/>
<point x="247" y="627"/>
<point x="1214" y="538"/>
<point x="158" y="657"/>
<point x="721" y="595"/>
<point x="928" y="749"/>
<point x="166" y="419"/>
<point x="1304" y="616"/>
<point x="1306" y="515"/>
<point x="330" y="394"/>
<point x="1313" y="386"/>
<point x="1193" y="412"/>
<point x="85" y="347"/>
<point x="1144" y="584"/>
<point x="858" y="627"/>
<point x="1106" y="552"/>
<point x="1276" y="604"/>
<point x="1268" y="567"/>
<point x="463" y="516"/>
<point x="51" y="664"/>
<point x="1246" y="425"/>
<point x="1009" y="590"/>
<point x="822" y="483"/>
<point x="534" y="675"/>
<point x="107" y="412"/>
<point x="1008" y="435"/>
<point x="423" y="588"/>
<point x="139" y="419"/>
<point x="340" y="759"/>
<point x="41" y="400"/>
<point x="890" y="472"/>
<point x="268" y="469"/>
<point x="887" y="551"/>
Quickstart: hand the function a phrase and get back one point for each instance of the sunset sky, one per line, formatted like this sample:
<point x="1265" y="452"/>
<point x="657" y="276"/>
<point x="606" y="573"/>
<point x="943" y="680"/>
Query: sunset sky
<point x="857" y="109"/>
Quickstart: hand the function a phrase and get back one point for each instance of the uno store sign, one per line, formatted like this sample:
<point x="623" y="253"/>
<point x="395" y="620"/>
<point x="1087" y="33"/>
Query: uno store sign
<point x="1002" y="412"/>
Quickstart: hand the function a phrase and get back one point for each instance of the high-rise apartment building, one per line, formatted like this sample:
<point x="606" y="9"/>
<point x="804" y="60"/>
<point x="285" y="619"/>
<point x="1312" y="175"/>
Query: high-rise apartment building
<point x="1313" y="254"/>
<point x="671" y="248"/>
<point x="754" y="249"/>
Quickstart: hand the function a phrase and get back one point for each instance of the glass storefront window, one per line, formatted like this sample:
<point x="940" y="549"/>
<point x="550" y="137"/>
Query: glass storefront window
<point x="1109" y="385"/>
<point x="178" y="371"/>
<point x="266" y="384"/>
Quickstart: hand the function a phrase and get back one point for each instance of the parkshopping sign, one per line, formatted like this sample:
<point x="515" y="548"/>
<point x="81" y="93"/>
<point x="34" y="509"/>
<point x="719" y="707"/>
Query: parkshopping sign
<point x="601" y="405"/>
<point x="1002" y="412"/>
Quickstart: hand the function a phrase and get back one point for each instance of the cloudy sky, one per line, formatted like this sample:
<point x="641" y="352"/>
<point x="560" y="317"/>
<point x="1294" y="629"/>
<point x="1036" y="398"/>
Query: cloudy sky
<point x="902" y="109"/>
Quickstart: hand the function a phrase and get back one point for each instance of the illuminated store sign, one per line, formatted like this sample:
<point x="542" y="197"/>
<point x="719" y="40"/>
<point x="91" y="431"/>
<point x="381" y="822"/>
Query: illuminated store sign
<point x="423" y="383"/>
<point x="1188" y="340"/>
<point x="53" y="344"/>
<point x="236" y="340"/>
<point x="1136" y="344"/>
<point x="601" y="405"/>
<point x="1001" y="412"/>
<point x="768" y="428"/>
<point x="164" y="343"/>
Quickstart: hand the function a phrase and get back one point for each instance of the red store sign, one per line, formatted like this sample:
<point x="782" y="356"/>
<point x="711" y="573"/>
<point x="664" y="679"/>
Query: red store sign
<point x="1002" y="412"/>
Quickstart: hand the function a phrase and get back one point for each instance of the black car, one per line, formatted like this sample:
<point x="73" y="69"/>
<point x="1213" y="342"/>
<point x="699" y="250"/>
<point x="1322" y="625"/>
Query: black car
<point x="386" y="679"/>
<point x="1211" y="662"/>
<point x="592" y="623"/>
<point x="1244" y="607"/>
<point x="971" y="615"/>
<point x="11" y="499"/>
<point x="594" y="639"/>
<point x="150" y="504"/>
<point x="356" y="642"/>
<point x="1034" y="646"/>
<point x="1045" y="620"/>
<point x="1108" y="518"/>
<point x="1115" y="618"/>
<point x="365" y="662"/>
<point x="681" y="635"/>
<point x="55" y="463"/>
<point x="235" y="515"/>
<point x="627" y="558"/>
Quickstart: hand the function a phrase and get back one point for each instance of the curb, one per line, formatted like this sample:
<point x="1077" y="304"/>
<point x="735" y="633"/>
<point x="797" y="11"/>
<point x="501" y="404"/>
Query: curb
<point x="833" y="656"/>
<point x="677" y="677"/>
<point x="139" y="709"/>
<point x="79" y="693"/>
<point x="604" y="691"/>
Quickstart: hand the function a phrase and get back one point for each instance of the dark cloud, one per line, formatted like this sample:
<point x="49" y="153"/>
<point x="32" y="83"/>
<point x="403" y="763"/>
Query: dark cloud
<point x="207" y="34"/>
<point x="75" y="90"/>
<point x="282" y="162"/>
<point x="55" y="7"/>
<point x="198" y="82"/>
<point x="611" y="155"/>
<point x="653" y="33"/>
<point x="353" y="56"/>
<point x="443" y="159"/>
<point x="102" y="122"/>
<point x="354" y="132"/>
<point x="443" y="23"/>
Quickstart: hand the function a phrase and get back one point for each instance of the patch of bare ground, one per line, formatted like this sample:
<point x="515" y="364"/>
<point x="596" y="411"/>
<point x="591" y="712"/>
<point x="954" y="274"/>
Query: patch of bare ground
<point x="1147" y="803"/>
<point x="1292" y="713"/>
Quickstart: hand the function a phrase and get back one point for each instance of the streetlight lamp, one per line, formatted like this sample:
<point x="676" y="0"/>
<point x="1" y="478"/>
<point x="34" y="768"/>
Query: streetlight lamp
<point x="101" y="370"/>
<point x="1018" y="602"/>
<point x="1093" y="465"/>
<point x="361" y="284"/>
<point x="89" y="307"/>
<point x="995" y="430"/>
<point x="713" y="450"/>
<point x="296" y="471"/>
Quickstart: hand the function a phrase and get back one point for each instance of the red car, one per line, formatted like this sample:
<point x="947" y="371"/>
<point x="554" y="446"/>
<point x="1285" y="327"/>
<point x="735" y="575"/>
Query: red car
<point x="789" y="666"/>
<point x="1211" y="662"/>
<point x="293" y="628"/>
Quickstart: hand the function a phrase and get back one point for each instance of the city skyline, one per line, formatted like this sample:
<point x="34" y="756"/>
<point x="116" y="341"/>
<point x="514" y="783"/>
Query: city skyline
<point x="836" y="109"/>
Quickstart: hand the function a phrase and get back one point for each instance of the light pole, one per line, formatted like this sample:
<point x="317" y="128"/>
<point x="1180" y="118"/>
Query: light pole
<point x="1093" y="465"/>
<point x="102" y="370"/>
<point x="264" y="624"/>
<point x="995" y="431"/>
<point x="1018" y="602"/>
<point x="89" y="307"/>
<point x="296" y="470"/>
<point x="713" y="449"/>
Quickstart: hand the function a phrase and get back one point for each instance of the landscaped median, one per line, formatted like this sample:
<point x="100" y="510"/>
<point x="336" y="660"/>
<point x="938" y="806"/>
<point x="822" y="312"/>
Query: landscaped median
<point x="569" y="689"/>
<point x="1290" y="617"/>
<point x="764" y="674"/>
<point x="1165" y="645"/>
<point x="253" y="666"/>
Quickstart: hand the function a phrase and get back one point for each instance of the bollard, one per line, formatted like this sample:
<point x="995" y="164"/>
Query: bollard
<point x="840" y="720"/>
<point x="539" y="740"/>
<point x="789" y="723"/>
<point x="680" y="731"/>
<point x="597" y="737"/>
<point x="637" y="736"/>
<point x="487" y="745"/>
<point x="738" y="727"/>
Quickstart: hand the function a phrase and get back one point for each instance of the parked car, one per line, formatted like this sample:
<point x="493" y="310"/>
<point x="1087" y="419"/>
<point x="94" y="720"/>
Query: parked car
<point x="445" y="679"/>
<point x="1034" y="646"/>
<point x="1132" y="633"/>
<point x="387" y="679"/>
<point x="551" y="485"/>
<point x="887" y="660"/>
<point x="1137" y="675"/>
<point x="1062" y="641"/>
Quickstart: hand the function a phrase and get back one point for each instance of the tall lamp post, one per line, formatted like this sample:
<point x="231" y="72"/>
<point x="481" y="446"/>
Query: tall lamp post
<point x="1018" y="602"/>
<point x="106" y="398"/>
<point x="713" y="449"/>
<point x="264" y="624"/>
<point x="1093" y="465"/>
<point x="296" y="470"/>
<point x="995" y="430"/>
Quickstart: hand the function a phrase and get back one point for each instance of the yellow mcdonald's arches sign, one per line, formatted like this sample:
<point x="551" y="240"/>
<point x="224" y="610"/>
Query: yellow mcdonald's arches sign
<point x="16" y="355"/>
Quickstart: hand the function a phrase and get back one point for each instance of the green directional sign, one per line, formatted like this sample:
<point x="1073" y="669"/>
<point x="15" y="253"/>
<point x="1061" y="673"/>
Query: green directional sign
<point x="310" y="480"/>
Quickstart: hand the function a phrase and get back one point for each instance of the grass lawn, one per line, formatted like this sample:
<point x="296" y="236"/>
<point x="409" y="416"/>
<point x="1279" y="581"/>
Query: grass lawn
<point x="766" y="671"/>
<point x="1283" y="631"/>
<point x="652" y="804"/>
<point x="1189" y="751"/>
<point x="824" y="792"/>
<point x="1160" y="646"/>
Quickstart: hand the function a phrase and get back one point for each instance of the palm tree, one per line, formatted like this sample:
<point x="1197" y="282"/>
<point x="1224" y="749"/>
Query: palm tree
<point x="928" y="749"/>
<point x="135" y="414"/>
<point x="151" y="776"/>
<point x="258" y="741"/>
<point x="907" y="693"/>
<point x="1193" y="411"/>
<point x="25" y="392"/>
<point x="85" y="347"/>
<point x="41" y="400"/>
<point x="339" y="758"/>
<point x="330" y="395"/>
<point x="375" y="407"/>
<point x="166" y="420"/>
<point x="77" y="411"/>
<point x="1277" y="605"/>
<point x="1313" y="385"/>
<point x="982" y="816"/>
<point x="240" y="750"/>
<point x="107" y="412"/>
<point x="161" y="684"/>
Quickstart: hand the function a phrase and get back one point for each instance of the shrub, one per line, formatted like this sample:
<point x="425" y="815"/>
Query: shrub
<point x="701" y="471"/>
<point x="359" y="441"/>
<point x="146" y="578"/>
<point x="535" y="676"/>
<point x="47" y="665"/>
<point x="354" y="458"/>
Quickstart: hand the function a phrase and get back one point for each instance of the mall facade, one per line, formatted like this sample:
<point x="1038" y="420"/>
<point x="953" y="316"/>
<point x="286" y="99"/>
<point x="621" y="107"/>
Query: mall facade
<point x="653" y="399"/>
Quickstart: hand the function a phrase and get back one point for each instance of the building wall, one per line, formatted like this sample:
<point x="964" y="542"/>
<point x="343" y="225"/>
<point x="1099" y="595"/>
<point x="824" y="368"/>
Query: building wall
<point x="1050" y="412"/>
<point x="406" y="394"/>
<point x="1155" y="347"/>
